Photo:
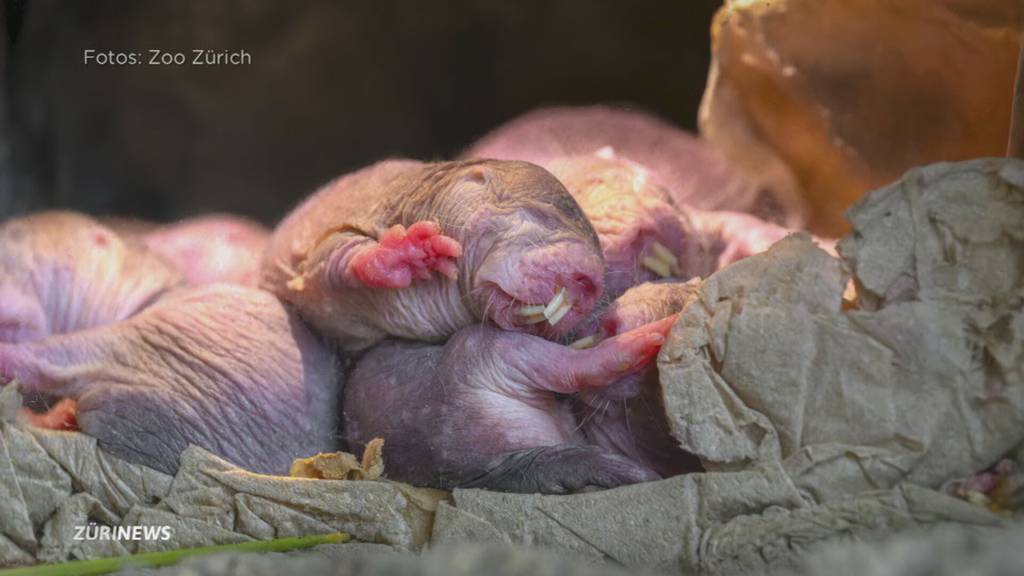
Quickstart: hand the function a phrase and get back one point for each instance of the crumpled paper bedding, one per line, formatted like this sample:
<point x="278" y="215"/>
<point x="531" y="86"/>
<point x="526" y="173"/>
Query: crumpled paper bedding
<point x="711" y="523"/>
<point x="52" y="482"/>
<point x="949" y="551"/>
<point x="925" y="381"/>
<point x="816" y="419"/>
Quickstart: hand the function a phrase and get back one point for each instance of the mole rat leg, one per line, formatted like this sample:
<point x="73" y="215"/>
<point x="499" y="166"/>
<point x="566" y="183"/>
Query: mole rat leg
<point x="559" y="470"/>
<point x="44" y="366"/>
<point x="562" y="468"/>
<point x="397" y="258"/>
<point x="565" y="370"/>
<point x="61" y="416"/>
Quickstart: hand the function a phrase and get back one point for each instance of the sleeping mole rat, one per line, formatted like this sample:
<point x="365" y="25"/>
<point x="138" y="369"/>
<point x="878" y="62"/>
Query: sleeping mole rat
<point x="485" y="410"/>
<point x="224" y="367"/>
<point x="420" y="250"/>
<point x="61" y="272"/>
<point x="688" y="168"/>
<point x="644" y="237"/>
<point x="205" y="249"/>
<point x="660" y="204"/>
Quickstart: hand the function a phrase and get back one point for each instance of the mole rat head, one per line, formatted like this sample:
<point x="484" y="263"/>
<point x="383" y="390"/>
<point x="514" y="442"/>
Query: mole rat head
<point x="642" y="234"/>
<point x="534" y="261"/>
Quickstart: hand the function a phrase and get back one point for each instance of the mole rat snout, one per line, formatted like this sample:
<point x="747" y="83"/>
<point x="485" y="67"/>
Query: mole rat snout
<point x="546" y="290"/>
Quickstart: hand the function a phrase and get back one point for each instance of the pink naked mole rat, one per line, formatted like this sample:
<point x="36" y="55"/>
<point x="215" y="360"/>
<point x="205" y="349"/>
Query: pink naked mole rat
<point x="206" y="249"/>
<point x="688" y="168"/>
<point x="223" y="367"/>
<point x="61" y="272"/>
<point x="420" y="250"/>
<point x="646" y="186"/>
<point x="643" y="236"/>
<point x="484" y="410"/>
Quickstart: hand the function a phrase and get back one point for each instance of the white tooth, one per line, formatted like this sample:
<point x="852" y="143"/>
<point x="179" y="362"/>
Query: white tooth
<point x="659" y="267"/>
<point x="557" y="317"/>
<point x="584" y="343"/>
<point x="664" y="254"/>
<point x="555" y="304"/>
<point x="531" y="310"/>
<point x="535" y="319"/>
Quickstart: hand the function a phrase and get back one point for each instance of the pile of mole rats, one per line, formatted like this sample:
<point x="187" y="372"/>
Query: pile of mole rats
<point x="586" y="334"/>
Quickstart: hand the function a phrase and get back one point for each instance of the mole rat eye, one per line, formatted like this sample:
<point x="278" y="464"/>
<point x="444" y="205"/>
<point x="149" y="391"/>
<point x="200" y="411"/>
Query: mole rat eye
<point x="585" y="284"/>
<point x="477" y="175"/>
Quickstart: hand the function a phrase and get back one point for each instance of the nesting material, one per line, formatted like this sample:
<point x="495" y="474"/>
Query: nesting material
<point x="342" y="465"/>
<point x="53" y="482"/>
<point x="922" y="383"/>
<point x="824" y="100"/>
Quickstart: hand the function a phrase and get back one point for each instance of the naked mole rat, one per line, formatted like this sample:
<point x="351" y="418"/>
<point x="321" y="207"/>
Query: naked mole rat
<point x="419" y="250"/>
<point x="205" y="249"/>
<point x="484" y="410"/>
<point x="643" y="184"/>
<point x="61" y="272"/>
<point x="224" y="367"/>
<point x="693" y="173"/>
<point x="644" y="237"/>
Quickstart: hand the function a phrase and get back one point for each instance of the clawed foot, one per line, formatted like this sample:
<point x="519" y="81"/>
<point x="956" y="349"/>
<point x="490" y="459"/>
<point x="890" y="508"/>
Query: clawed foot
<point x="402" y="255"/>
<point x="617" y="357"/>
<point x="62" y="416"/>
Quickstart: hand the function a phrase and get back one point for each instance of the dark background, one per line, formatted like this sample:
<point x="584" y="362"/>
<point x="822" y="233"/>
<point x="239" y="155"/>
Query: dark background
<point x="332" y="86"/>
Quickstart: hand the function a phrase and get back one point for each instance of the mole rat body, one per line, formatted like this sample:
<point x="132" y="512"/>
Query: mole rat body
<point x="205" y="249"/>
<point x="641" y="183"/>
<point x="418" y="251"/>
<point x="224" y="367"/>
<point x="61" y="272"/>
<point x="692" y="172"/>
<point x="484" y="409"/>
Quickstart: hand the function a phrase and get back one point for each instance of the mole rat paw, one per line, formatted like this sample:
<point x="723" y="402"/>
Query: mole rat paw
<point x="403" y="255"/>
<point x="61" y="416"/>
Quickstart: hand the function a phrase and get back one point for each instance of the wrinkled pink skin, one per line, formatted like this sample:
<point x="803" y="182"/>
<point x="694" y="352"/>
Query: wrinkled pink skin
<point x="630" y="213"/>
<point x="223" y="367"/>
<point x="209" y="249"/>
<point x="639" y="180"/>
<point x="694" y="174"/>
<point x="484" y="410"/>
<point x="628" y="416"/>
<point x="62" y="272"/>
<point x="734" y="236"/>
<point x="418" y="251"/>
